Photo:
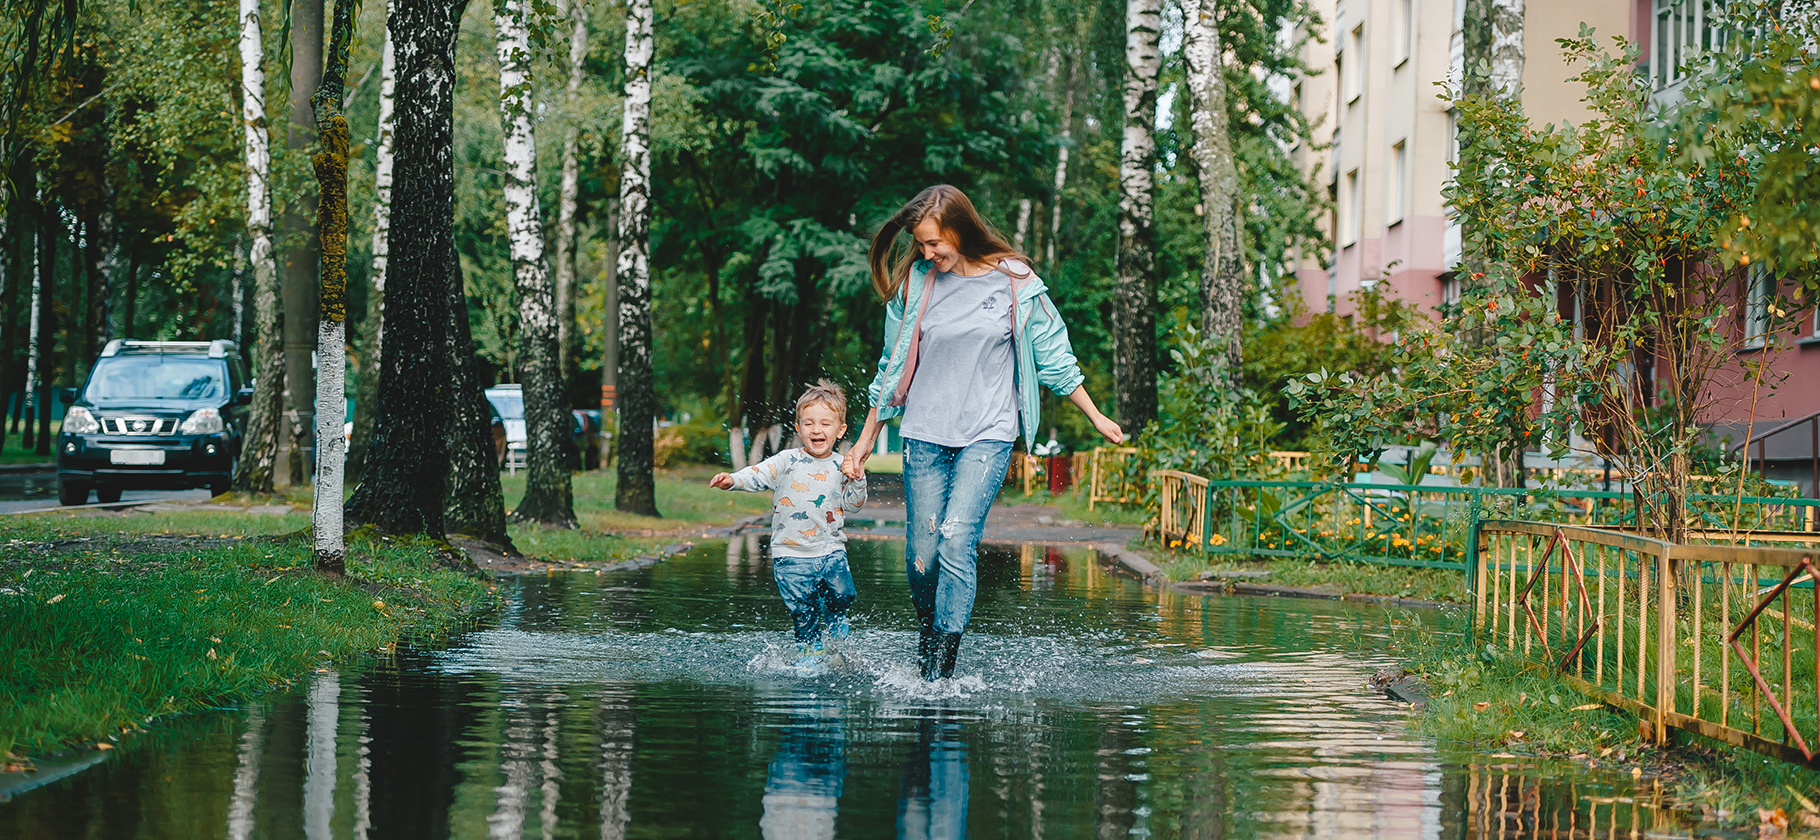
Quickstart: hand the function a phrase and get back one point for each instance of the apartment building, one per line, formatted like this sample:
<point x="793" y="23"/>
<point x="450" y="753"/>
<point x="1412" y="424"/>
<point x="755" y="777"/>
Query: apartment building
<point x="1378" y="103"/>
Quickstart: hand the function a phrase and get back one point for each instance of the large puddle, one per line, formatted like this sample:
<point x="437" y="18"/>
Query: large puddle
<point x="656" y="703"/>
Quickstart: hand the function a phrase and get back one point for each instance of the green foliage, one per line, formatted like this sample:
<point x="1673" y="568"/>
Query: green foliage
<point x="1203" y="426"/>
<point x="1281" y="351"/>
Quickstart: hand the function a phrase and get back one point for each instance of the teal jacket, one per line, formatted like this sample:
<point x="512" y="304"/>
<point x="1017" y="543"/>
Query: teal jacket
<point x="1039" y="341"/>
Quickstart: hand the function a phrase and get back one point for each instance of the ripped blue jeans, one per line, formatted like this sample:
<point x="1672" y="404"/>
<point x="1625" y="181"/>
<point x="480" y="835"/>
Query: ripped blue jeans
<point x="947" y="492"/>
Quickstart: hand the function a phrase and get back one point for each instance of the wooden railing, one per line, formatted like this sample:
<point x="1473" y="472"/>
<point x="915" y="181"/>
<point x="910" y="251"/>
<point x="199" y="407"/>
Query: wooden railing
<point x="1721" y="640"/>
<point x="1182" y="515"/>
<point x="1109" y="479"/>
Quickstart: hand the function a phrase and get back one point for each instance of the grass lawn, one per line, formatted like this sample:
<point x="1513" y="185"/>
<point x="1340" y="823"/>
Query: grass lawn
<point x="1073" y="506"/>
<point x="1341" y="578"/>
<point x="687" y="504"/>
<point x="107" y="623"/>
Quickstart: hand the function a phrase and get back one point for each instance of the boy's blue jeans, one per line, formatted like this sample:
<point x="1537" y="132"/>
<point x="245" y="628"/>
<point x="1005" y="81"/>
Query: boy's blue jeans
<point x="947" y="492"/>
<point x="813" y="587"/>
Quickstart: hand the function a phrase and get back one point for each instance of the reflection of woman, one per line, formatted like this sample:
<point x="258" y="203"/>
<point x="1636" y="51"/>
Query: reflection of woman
<point x="981" y="335"/>
<point x="802" y="790"/>
<point x="933" y="801"/>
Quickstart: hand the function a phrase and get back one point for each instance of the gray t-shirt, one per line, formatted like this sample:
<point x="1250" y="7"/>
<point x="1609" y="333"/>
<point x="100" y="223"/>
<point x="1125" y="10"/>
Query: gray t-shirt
<point x="963" y="389"/>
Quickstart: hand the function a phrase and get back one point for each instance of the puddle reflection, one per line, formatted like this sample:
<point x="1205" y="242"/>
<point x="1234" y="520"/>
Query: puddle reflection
<point x="654" y="703"/>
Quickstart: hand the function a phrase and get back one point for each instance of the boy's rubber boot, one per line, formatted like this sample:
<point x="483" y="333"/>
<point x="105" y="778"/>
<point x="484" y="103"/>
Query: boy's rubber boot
<point x="949" y="645"/>
<point x="927" y="659"/>
<point x="839" y="628"/>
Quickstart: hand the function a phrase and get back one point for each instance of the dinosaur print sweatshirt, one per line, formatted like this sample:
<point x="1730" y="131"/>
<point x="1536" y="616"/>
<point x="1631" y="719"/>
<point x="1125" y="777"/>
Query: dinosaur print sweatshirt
<point x="810" y="500"/>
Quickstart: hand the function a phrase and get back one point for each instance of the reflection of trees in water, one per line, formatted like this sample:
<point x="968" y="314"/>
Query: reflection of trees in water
<point x="321" y="715"/>
<point x="251" y="751"/>
<point x="932" y="804"/>
<point x="613" y="728"/>
<point x="807" y="773"/>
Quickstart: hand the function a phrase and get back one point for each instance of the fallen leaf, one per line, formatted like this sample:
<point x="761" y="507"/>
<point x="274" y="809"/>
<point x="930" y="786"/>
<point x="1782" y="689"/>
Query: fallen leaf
<point x="1480" y="707"/>
<point x="1587" y="707"/>
<point x="215" y="640"/>
<point x="1806" y="804"/>
<point x="1809" y="820"/>
<point x="1514" y="735"/>
<point x="56" y="599"/>
<point x="1771" y="823"/>
<point x="104" y="746"/>
<point x="211" y="653"/>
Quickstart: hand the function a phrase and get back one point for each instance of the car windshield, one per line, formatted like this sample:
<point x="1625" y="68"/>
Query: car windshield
<point x="157" y="378"/>
<point x="510" y="405"/>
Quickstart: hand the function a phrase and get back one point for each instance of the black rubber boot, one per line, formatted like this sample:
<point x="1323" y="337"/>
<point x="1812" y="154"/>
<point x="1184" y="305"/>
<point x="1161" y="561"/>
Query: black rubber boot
<point x="950" y="645"/>
<point x="927" y="650"/>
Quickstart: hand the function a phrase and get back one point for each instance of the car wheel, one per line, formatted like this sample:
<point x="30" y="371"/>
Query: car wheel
<point x="72" y="492"/>
<point x="219" y="488"/>
<point x="104" y="493"/>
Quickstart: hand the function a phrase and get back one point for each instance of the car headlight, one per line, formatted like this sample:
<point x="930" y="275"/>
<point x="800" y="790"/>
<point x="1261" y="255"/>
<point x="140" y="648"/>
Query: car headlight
<point x="202" y="421"/>
<point x="80" y="421"/>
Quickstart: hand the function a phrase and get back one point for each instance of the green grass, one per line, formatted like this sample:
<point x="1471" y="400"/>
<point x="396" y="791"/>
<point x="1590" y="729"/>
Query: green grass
<point x="101" y="633"/>
<point x="684" y="498"/>
<point x="1073" y="505"/>
<point x="1487" y="702"/>
<point x="1341" y="578"/>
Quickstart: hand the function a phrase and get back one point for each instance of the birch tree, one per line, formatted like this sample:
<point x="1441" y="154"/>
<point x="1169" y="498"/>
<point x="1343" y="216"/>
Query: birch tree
<point x="1061" y="166"/>
<point x="259" y="451"/>
<point x="1507" y="47"/>
<point x="636" y="491"/>
<point x="547" y="496"/>
<point x="1133" y="307"/>
<point x="331" y="165"/>
<point x="577" y="12"/>
<point x="373" y="345"/>
<point x="1223" y="284"/>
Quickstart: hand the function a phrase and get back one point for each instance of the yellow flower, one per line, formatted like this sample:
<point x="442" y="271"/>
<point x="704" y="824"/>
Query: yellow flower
<point x="1217" y="539"/>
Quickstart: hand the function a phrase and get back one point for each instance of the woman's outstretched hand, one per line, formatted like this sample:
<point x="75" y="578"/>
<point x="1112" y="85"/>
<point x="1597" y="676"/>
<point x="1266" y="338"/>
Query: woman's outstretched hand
<point x="1109" y="429"/>
<point x="854" y="465"/>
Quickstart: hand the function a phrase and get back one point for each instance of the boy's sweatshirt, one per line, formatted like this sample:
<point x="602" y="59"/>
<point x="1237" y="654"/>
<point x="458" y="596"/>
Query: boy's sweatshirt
<point x="810" y="499"/>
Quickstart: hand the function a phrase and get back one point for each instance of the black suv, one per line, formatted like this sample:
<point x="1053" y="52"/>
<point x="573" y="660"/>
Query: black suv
<point x="155" y="415"/>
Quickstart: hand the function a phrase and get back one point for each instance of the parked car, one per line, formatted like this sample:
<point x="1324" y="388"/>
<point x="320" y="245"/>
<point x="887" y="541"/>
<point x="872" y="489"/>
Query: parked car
<point x="509" y="401"/>
<point x="154" y="415"/>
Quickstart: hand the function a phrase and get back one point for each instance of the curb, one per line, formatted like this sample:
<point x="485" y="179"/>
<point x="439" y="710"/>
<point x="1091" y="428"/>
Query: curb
<point x="27" y="469"/>
<point x="1213" y="587"/>
<point x="1132" y="561"/>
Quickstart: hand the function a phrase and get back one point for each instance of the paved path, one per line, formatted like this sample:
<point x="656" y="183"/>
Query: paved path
<point x="129" y="498"/>
<point x="1006" y="523"/>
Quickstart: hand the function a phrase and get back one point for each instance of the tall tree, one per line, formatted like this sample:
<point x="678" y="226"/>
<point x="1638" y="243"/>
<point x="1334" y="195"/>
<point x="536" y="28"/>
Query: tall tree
<point x="1134" y="295"/>
<point x="636" y="491"/>
<point x="548" y="495"/>
<point x="303" y="251"/>
<point x="577" y="12"/>
<point x="1223" y="281"/>
<point x="403" y="484"/>
<point x="372" y="345"/>
<point x="259" y="449"/>
<point x="476" y="504"/>
<point x="331" y="164"/>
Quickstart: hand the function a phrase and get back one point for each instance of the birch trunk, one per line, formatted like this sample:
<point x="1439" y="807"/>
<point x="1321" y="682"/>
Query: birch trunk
<point x="637" y="490"/>
<point x="373" y="343"/>
<point x="1133" y="306"/>
<point x="33" y="326"/>
<point x="1023" y="224"/>
<point x="259" y="451"/>
<point x="403" y="483"/>
<point x="1223" y="282"/>
<point x="548" y="495"/>
<point x="1507" y="47"/>
<point x="577" y="11"/>
<point x="331" y="164"/>
<point x="1061" y="171"/>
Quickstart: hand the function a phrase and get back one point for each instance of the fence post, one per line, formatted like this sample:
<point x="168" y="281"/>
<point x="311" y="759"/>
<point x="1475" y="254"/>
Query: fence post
<point x="1474" y="574"/>
<point x="1665" y="645"/>
<point x="1207" y="519"/>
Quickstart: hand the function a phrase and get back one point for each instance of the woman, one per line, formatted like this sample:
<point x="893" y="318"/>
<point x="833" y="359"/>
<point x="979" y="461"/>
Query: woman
<point x="963" y="372"/>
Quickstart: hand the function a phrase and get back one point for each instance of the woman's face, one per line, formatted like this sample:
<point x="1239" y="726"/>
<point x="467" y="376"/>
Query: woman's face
<point x="933" y="243"/>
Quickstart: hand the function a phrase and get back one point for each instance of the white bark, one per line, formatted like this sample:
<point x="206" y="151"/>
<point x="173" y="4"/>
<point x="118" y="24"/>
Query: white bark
<point x="1223" y="279"/>
<point x="577" y="11"/>
<point x="1507" y="47"/>
<point x="331" y="436"/>
<point x="382" y="189"/>
<point x="260" y="451"/>
<point x="319" y="768"/>
<point x="1023" y="224"/>
<point x="1061" y="178"/>
<point x="635" y="177"/>
<point x="31" y="341"/>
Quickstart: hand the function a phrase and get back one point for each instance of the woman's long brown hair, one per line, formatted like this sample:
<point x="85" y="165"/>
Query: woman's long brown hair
<point x="975" y="240"/>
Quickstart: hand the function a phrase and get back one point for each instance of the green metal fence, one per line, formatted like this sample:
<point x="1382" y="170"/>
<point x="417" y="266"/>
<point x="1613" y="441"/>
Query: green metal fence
<point x="1425" y="526"/>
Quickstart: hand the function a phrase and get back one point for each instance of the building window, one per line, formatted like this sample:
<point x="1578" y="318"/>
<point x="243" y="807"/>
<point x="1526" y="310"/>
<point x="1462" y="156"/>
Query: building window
<point x="1453" y="136"/>
<point x="1355" y="63"/>
<point x="1759" y="293"/>
<point x="1405" y="32"/>
<point x="1399" y="168"/>
<point x="1450" y="293"/>
<point x="1683" y="30"/>
<point x="1355" y="208"/>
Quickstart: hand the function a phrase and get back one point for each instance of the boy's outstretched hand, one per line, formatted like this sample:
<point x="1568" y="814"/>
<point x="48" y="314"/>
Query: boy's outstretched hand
<point x="721" y="481"/>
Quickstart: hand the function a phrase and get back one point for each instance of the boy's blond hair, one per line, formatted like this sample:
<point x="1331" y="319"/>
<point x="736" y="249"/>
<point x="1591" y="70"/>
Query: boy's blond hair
<point x="826" y="393"/>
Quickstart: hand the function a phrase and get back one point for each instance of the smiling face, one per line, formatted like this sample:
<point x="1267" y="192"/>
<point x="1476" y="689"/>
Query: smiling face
<point x="819" y="427"/>
<point x="933" y="243"/>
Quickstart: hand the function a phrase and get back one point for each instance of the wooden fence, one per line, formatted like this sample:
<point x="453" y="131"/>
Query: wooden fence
<point x="1721" y="640"/>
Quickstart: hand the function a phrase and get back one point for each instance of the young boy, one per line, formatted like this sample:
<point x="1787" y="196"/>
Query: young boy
<point x="810" y="500"/>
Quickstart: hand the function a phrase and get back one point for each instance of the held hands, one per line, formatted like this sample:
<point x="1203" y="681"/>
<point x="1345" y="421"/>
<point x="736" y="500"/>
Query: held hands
<point x="854" y="465"/>
<point x="721" y="481"/>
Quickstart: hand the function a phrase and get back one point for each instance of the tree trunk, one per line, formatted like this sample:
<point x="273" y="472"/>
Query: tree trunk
<point x="571" y="180"/>
<point x="402" y="488"/>
<point x="1506" y="47"/>
<point x="751" y="393"/>
<point x="259" y="449"/>
<point x="97" y="230"/>
<point x="1223" y="281"/>
<point x="300" y="262"/>
<point x="548" y="495"/>
<point x="44" y="314"/>
<point x="331" y="164"/>
<point x="609" y="363"/>
<point x="1133" y="304"/>
<point x="1061" y="179"/>
<point x="1023" y="224"/>
<point x="40" y="278"/>
<point x="372" y="343"/>
<point x="476" y="505"/>
<point x="637" y="489"/>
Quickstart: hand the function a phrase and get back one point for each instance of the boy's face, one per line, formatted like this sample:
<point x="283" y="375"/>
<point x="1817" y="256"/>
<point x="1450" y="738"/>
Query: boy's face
<point x="820" y="428"/>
